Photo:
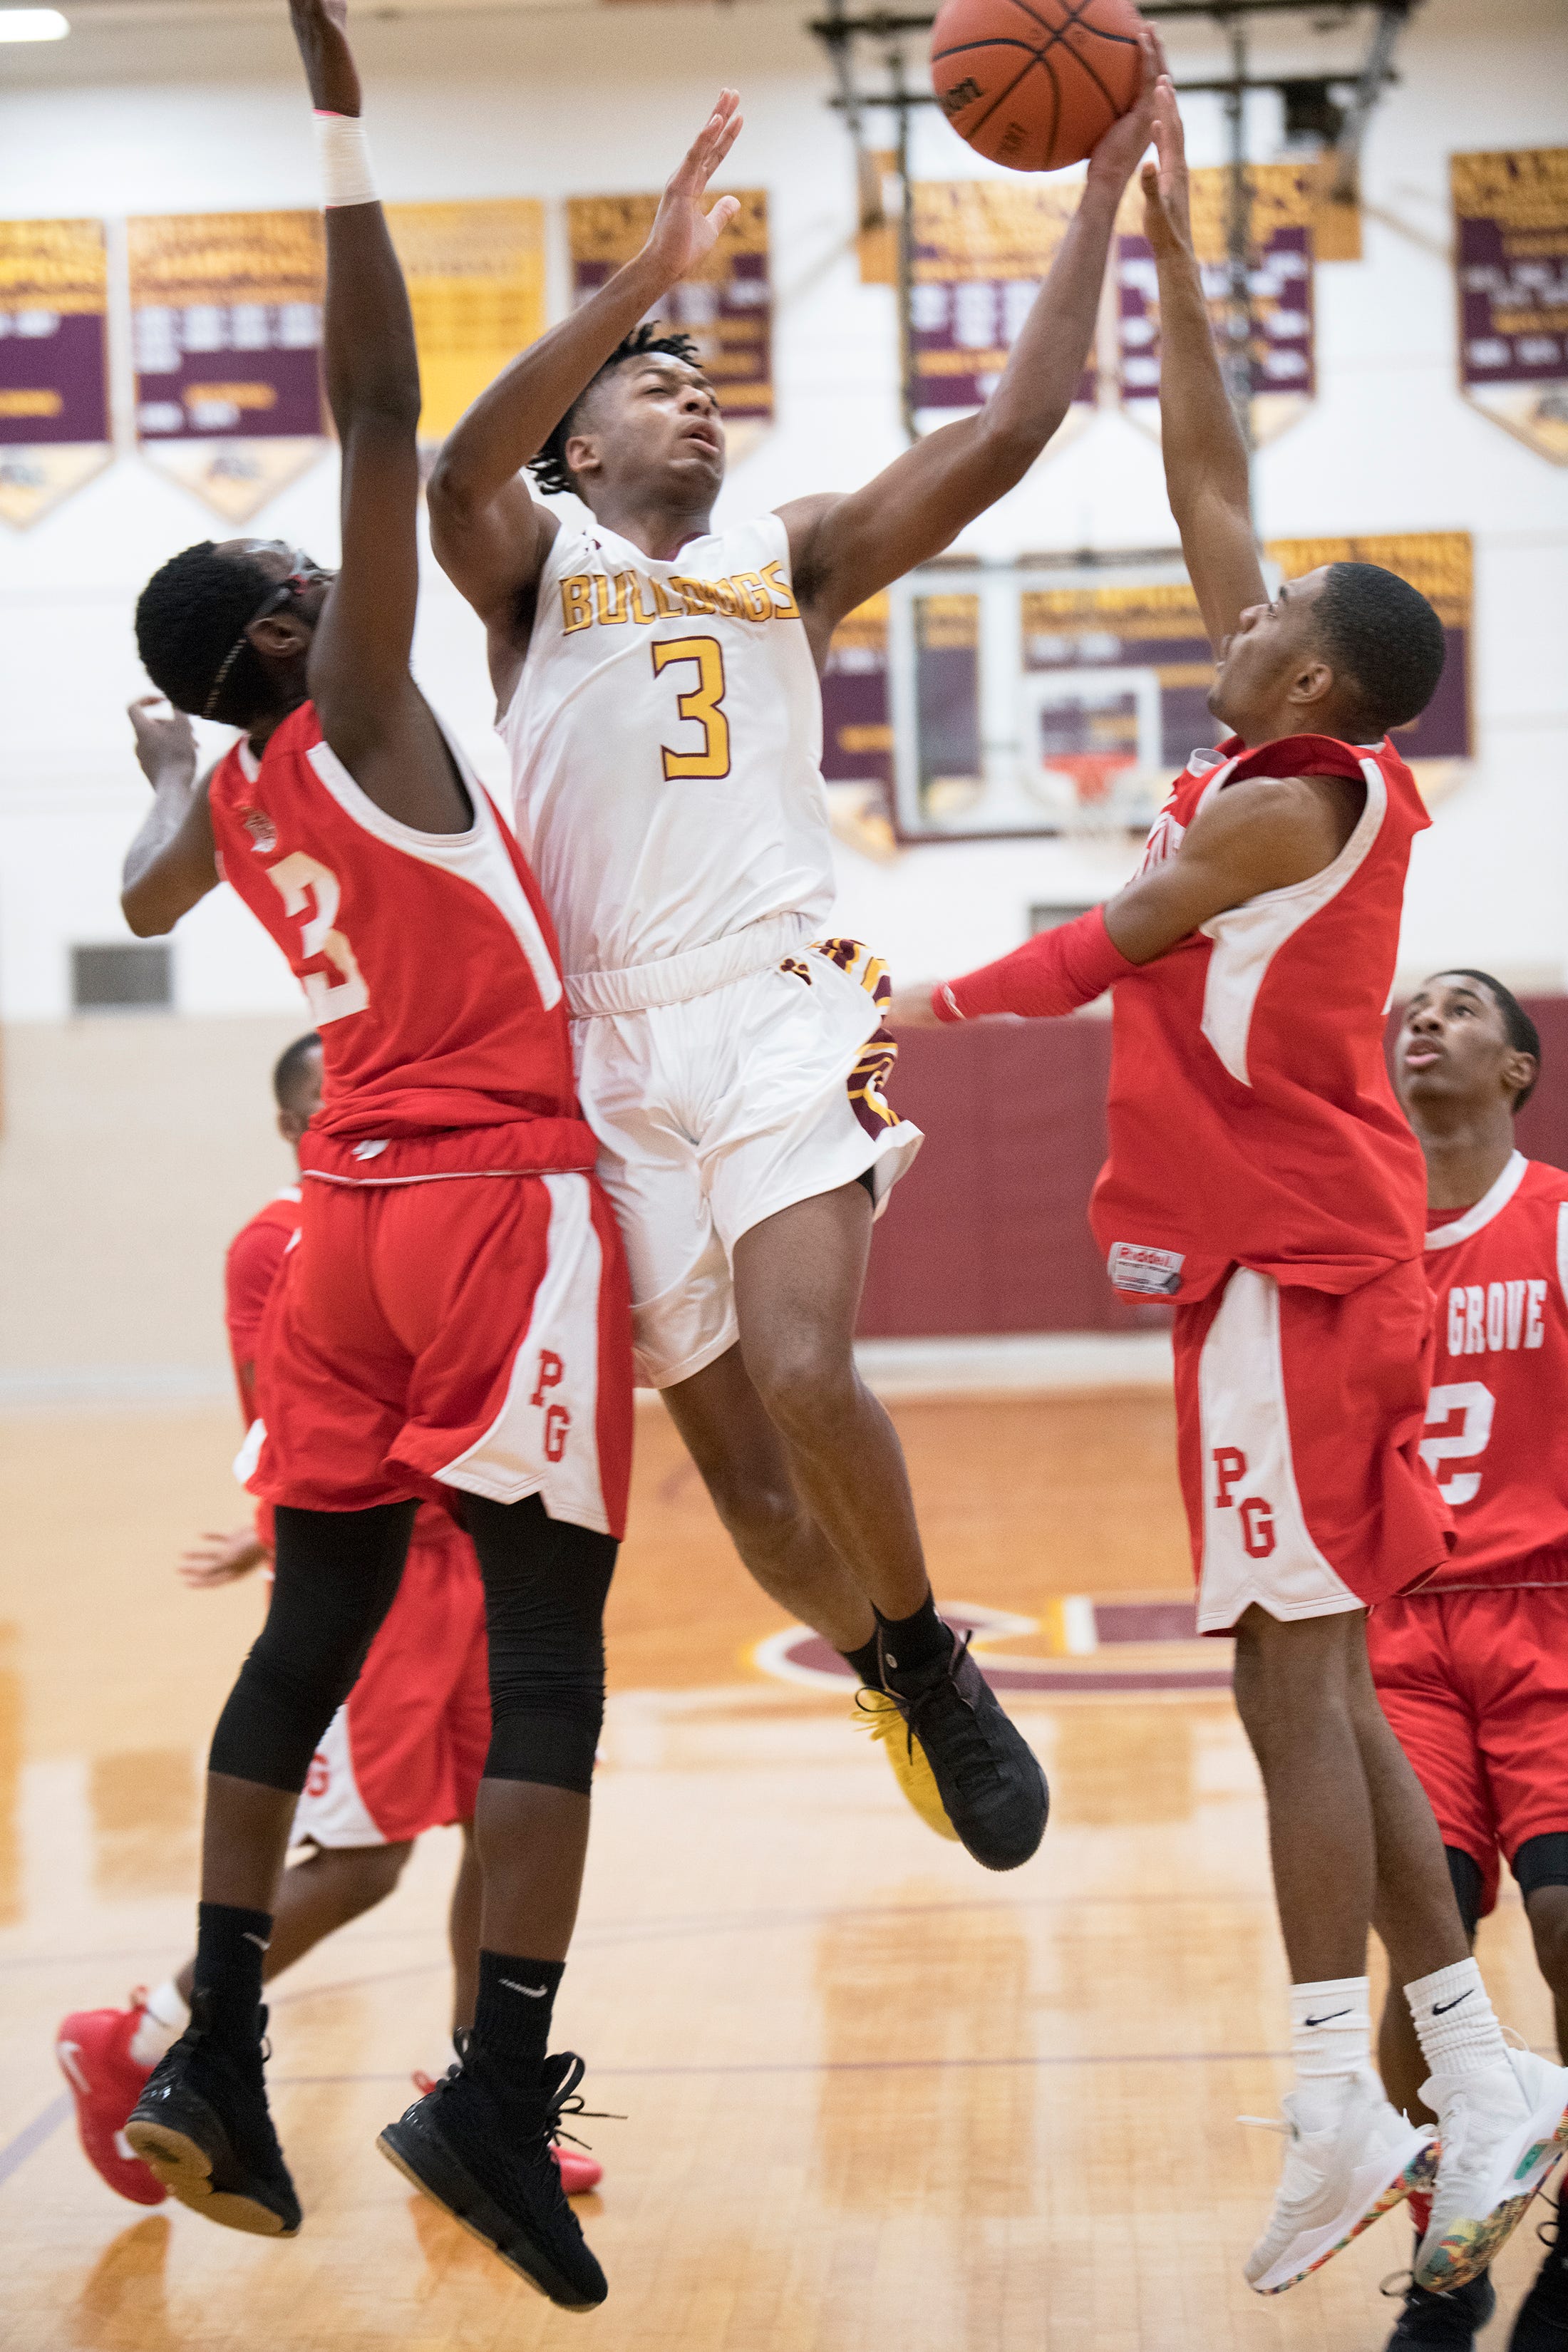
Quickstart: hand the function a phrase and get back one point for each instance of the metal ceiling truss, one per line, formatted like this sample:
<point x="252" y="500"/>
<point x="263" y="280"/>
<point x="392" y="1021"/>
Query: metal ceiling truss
<point x="841" y="34"/>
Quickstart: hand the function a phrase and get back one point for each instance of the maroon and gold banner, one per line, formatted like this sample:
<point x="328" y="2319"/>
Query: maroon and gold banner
<point x="227" y="314"/>
<point x="857" y="729"/>
<point x="1440" y="563"/>
<point x="982" y="249"/>
<point x="1511" y="215"/>
<point x="476" y="285"/>
<point x="54" y="377"/>
<point x="1289" y="218"/>
<point x="727" y="308"/>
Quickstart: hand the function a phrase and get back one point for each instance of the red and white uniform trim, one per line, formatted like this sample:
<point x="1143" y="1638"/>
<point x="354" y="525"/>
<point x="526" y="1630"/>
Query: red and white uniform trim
<point x="1258" y="1043"/>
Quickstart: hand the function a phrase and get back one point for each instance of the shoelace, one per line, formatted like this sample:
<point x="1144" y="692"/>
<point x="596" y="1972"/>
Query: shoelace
<point x="567" y="2101"/>
<point x="973" y="1757"/>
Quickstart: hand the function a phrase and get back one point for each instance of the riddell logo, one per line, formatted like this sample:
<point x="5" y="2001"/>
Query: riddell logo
<point x="1148" y="1272"/>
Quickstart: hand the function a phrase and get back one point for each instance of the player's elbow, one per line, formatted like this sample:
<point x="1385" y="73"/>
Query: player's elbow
<point x="143" y="916"/>
<point x="1012" y="440"/>
<point x="454" y="489"/>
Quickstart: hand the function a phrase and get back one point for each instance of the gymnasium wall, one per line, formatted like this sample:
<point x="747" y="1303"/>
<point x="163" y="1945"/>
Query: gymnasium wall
<point x="556" y="101"/>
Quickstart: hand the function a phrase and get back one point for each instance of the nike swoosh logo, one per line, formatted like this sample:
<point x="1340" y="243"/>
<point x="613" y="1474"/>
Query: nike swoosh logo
<point x="1326" y="2020"/>
<point x="1441" y="2007"/>
<point x="530" y="1992"/>
<point x="68" y="2053"/>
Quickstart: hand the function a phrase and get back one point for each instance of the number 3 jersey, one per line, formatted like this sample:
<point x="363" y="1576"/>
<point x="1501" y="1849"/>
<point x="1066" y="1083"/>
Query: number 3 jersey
<point x="427" y="961"/>
<point x="1497" y="1420"/>
<point x="664" y="737"/>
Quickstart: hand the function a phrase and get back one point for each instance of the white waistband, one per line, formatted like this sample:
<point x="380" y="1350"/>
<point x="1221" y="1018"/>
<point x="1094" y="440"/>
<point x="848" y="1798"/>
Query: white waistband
<point x="674" y="979"/>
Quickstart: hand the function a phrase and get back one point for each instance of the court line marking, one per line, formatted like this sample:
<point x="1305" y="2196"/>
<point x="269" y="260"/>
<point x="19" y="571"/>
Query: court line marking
<point x="863" y="2066"/>
<point x="31" y="2135"/>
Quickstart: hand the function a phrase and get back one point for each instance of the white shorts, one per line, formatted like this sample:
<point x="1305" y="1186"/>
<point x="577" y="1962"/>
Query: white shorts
<point x="721" y="1109"/>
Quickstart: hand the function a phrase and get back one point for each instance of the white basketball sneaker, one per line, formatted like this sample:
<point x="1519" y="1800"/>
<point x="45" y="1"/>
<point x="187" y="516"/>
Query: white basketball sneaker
<point x="1501" y="2133"/>
<point x="1351" y="2156"/>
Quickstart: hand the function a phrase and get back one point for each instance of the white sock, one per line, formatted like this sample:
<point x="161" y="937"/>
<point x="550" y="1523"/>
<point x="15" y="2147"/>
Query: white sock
<point x="1455" y="2022"/>
<point x="163" y="2020"/>
<point x="1330" y="2031"/>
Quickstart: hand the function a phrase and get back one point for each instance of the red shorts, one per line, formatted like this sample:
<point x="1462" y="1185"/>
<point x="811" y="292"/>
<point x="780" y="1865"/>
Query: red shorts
<point x="1300" y="1415"/>
<point x="406" y="1751"/>
<point x="469" y="1332"/>
<point x="1475" y="1685"/>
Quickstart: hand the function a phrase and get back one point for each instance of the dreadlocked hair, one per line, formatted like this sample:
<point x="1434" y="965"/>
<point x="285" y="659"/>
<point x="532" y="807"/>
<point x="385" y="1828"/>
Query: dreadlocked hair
<point x="187" y="619"/>
<point x="549" y="468"/>
<point x="1387" y="642"/>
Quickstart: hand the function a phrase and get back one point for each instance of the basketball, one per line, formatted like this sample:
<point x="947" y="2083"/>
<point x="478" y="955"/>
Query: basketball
<point x="1035" y="84"/>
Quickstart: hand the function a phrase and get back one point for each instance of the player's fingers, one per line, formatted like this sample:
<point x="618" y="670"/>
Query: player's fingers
<point x="722" y="213"/>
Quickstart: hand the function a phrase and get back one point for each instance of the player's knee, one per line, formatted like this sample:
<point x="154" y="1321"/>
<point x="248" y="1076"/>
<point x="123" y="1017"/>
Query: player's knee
<point x="806" y="1380"/>
<point x="275" y="1715"/>
<point x="369" y="1874"/>
<point x="545" y="1729"/>
<point x="1546" y="1904"/>
<point x="761" y="1515"/>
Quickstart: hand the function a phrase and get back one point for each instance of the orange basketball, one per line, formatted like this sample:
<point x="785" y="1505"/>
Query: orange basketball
<point x="1034" y="83"/>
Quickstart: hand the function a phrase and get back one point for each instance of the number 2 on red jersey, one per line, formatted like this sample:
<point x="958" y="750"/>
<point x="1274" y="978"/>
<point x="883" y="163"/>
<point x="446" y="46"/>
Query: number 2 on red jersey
<point x="1476" y="1405"/>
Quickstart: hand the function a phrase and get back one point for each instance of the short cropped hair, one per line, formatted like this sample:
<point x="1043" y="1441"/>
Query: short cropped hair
<point x="1385" y="640"/>
<point x="550" y="468"/>
<point x="291" y="1075"/>
<point x="188" y="617"/>
<point x="1522" y="1033"/>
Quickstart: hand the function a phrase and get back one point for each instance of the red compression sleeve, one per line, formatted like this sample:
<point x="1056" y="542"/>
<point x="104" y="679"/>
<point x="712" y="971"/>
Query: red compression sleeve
<point x="1054" y="972"/>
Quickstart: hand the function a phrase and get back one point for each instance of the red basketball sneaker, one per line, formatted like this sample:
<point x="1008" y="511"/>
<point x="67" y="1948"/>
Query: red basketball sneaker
<point x="579" y="2171"/>
<point x="93" y="2046"/>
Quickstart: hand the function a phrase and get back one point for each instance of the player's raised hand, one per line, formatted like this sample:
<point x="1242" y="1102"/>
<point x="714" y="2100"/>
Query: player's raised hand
<point x="1167" y="208"/>
<point x="165" y="741"/>
<point x="682" y="234"/>
<point x="1115" y="158"/>
<point x="321" y="30"/>
<point x="215" y="1559"/>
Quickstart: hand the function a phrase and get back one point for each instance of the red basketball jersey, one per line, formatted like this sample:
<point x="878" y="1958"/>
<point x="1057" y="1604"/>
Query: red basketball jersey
<point x="1251" y="1117"/>
<point x="1497" y="1420"/>
<point x="250" y="1269"/>
<point x="428" y="960"/>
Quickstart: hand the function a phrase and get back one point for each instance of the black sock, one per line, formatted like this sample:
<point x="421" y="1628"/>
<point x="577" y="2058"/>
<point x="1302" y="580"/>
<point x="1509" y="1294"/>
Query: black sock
<point x="867" y="1666"/>
<point x="910" y="1644"/>
<point x="516" y="2003"/>
<point x="231" y="1946"/>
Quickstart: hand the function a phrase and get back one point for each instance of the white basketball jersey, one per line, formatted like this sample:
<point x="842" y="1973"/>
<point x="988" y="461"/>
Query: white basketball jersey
<point x="666" y="741"/>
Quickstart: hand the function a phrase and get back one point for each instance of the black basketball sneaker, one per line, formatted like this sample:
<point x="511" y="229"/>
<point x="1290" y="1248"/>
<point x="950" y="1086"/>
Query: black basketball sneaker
<point x="480" y="2147"/>
<point x="202" y="2127"/>
<point x="1542" y="2325"/>
<point x="989" y="1778"/>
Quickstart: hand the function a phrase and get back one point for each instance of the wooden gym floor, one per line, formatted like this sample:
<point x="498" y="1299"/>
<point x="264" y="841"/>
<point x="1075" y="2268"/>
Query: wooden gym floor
<point x="871" y="2095"/>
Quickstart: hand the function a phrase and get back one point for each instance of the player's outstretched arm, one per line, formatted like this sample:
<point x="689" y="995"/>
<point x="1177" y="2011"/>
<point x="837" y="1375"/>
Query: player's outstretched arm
<point x="489" y="534"/>
<point x="372" y="714"/>
<point x="173" y="861"/>
<point x="1205" y="457"/>
<point x="1266" y="834"/>
<point x="843" y="550"/>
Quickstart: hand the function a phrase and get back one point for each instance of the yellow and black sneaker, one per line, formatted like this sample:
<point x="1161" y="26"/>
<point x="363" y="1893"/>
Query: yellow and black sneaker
<point x="986" y="1775"/>
<point x="883" y="1719"/>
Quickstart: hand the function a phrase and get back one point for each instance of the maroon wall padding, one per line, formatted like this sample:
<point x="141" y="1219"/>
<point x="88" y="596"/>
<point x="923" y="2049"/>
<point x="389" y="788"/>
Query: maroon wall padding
<point x="989" y="1231"/>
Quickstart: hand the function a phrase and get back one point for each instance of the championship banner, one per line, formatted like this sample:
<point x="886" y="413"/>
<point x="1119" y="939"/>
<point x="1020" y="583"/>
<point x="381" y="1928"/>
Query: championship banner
<point x="54" y="380"/>
<point x="1291" y="219"/>
<point x="1438" y="562"/>
<point x="857" y="731"/>
<point x="476" y="284"/>
<point x="981" y="252"/>
<point x="1511" y="254"/>
<point x="727" y="308"/>
<point x="226" y="315"/>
